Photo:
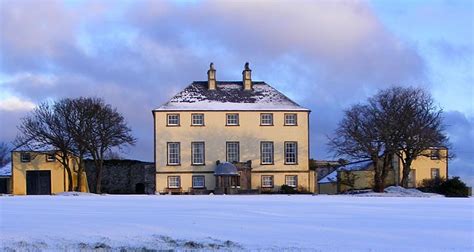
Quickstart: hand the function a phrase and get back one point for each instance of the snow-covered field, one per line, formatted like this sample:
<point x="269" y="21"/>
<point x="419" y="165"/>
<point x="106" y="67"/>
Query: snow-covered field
<point x="244" y="222"/>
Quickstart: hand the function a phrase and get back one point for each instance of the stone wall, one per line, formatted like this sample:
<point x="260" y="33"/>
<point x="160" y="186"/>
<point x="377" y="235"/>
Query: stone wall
<point x="123" y="177"/>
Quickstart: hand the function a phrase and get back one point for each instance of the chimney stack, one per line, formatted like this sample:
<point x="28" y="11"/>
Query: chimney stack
<point x="247" y="77"/>
<point x="211" y="77"/>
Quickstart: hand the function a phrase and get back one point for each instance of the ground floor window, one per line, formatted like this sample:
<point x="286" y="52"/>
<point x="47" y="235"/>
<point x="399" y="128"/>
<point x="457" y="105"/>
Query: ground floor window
<point x="291" y="180"/>
<point x="198" y="182"/>
<point x="267" y="181"/>
<point x="174" y="182"/>
<point x="434" y="173"/>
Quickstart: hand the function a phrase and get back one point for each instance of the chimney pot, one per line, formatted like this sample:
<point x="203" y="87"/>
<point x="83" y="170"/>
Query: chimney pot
<point x="247" y="77"/>
<point x="211" y="77"/>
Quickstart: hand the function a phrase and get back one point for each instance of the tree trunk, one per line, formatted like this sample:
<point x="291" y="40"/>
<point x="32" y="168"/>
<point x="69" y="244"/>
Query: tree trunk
<point x="79" y="176"/>
<point x="98" y="176"/>
<point x="378" y="180"/>
<point x="406" y="171"/>
<point x="69" y="177"/>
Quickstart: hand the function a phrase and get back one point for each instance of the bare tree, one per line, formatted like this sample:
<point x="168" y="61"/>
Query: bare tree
<point x="43" y="130"/>
<point x="419" y="124"/>
<point x="106" y="130"/>
<point x="4" y="154"/>
<point x="358" y="137"/>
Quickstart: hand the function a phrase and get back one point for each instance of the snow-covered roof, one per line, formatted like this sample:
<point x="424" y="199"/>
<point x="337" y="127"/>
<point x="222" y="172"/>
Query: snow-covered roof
<point x="229" y="95"/>
<point x="355" y="166"/>
<point x="6" y="170"/>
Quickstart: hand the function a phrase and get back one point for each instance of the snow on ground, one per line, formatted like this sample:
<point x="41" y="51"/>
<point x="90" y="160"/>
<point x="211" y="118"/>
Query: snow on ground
<point x="244" y="222"/>
<point x="394" y="191"/>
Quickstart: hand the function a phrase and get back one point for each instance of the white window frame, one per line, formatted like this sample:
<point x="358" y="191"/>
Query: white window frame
<point x="267" y="150"/>
<point x="25" y="157"/>
<point x="174" y="157"/>
<point x="291" y="180"/>
<point x="197" y="119"/>
<point x="172" y="120"/>
<point x="232" y="119"/>
<point x="291" y="119"/>
<point x="49" y="159"/>
<point x="201" y="184"/>
<point x="266" y="119"/>
<point x="198" y="151"/>
<point x="267" y="181"/>
<point x="437" y="171"/>
<point x="291" y="152"/>
<point x="232" y="149"/>
<point x="174" y="182"/>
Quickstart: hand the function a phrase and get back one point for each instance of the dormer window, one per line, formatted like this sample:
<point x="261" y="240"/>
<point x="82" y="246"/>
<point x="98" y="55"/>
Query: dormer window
<point x="232" y="119"/>
<point x="435" y="155"/>
<point x="197" y="119"/>
<point x="266" y="119"/>
<point x="25" y="157"/>
<point x="172" y="120"/>
<point x="50" y="158"/>
<point x="291" y="120"/>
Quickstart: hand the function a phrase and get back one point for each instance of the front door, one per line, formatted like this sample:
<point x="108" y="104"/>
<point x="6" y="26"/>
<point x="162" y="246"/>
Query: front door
<point x="38" y="182"/>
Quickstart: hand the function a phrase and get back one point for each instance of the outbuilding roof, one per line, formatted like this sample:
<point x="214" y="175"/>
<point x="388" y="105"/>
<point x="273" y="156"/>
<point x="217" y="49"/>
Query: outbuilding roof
<point x="354" y="166"/>
<point x="230" y="95"/>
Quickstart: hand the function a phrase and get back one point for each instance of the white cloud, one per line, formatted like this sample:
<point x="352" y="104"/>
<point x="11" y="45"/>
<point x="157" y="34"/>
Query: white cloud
<point x="14" y="103"/>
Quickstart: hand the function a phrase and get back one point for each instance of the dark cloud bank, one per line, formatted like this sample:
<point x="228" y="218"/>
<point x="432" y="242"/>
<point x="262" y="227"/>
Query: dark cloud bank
<point x="325" y="56"/>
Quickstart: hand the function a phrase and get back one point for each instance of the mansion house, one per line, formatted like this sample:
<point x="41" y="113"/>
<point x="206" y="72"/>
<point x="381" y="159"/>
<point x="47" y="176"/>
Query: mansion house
<point x="231" y="137"/>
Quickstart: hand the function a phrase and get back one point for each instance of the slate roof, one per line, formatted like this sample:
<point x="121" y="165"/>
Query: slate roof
<point x="229" y="95"/>
<point x="354" y="166"/>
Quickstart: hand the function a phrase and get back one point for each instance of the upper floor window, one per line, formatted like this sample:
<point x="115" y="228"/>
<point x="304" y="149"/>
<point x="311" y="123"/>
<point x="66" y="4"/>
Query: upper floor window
<point x="267" y="181"/>
<point x="232" y="119"/>
<point x="174" y="157"/>
<point x="291" y="180"/>
<point x="266" y="152"/>
<point x="291" y="119"/>
<point x="434" y="173"/>
<point x="198" y="182"/>
<point x="291" y="153"/>
<point x="172" y="120"/>
<point x="25" y="157"/>
<point x="266" y="119"/>
<point x="435" y="154"/>
<point x="50" y="158"/>
<point x="197" y="119"/>
<point x="174" y="182"/>
<point x="232" y="150"/>
<point x="197" y="153"/>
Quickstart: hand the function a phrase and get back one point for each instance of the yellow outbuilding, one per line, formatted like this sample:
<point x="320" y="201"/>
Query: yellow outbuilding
<point x="40" y="173"/>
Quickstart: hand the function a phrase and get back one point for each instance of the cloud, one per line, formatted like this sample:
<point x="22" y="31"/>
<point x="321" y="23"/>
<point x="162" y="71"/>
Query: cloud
<point x="15" y="104"/>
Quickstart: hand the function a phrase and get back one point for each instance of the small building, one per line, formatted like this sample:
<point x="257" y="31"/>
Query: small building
<point x="430" y="164"/>
<point x="40" y="173"/>
<point x="6" y="179"/>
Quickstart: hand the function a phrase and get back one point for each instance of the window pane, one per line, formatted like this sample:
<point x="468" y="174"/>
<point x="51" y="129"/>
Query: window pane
<point x="173" y="119"/>
<point x="291" y="181"/>
<point x="267" y="181"/>
<point x="173" y="153"/>
<point x="174" y="182"/>
<point x="198" y="119"/>
<point x="197" y="152"/>
<point x="266" y="119"/>
<point x="233" y="152"/>
<point x="198" y="181"/>
<point x="232" y="119"/>
<point x="290" y="119"/>
<point x="25" y="157"/>
<point x="267" y="152"/>
<point x="290" y="153"/>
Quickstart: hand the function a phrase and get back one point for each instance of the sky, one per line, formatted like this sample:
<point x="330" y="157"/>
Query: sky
<point x="325" y="55"/>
